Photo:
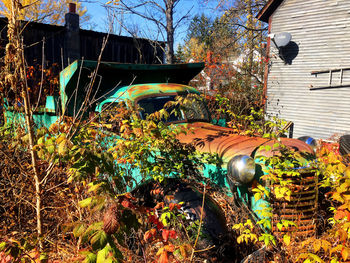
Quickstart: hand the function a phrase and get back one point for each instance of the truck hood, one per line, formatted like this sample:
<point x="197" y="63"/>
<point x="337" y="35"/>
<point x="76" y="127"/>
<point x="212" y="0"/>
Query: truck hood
<point x="226" y="143"/>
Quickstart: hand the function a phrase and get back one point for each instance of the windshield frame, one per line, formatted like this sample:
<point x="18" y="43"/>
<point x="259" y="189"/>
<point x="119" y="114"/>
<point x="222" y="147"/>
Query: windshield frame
<point x="185" y="119"/>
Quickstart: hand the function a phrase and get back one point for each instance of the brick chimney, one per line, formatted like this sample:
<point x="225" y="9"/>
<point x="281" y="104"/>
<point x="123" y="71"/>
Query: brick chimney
<point x="72" y="36"/>
<point x="72" y="8"/>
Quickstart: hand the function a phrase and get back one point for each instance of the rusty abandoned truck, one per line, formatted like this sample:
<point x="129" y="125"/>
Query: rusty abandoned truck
<point x="151" y="87"/>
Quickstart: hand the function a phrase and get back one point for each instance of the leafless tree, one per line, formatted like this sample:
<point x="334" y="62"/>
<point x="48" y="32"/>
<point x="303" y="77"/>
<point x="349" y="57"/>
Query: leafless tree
<point x="162" y="13"/>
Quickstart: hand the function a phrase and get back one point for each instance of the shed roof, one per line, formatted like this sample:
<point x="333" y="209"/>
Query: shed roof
<point x="268" y="10"/>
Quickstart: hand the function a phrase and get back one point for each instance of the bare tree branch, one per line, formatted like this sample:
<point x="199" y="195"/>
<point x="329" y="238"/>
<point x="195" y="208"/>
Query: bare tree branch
<point x="161" y="13"/>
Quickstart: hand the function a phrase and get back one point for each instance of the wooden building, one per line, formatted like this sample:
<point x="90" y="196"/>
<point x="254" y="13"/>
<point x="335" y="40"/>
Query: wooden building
<point x="64" y="44"/>
<point x="308" y="80"/>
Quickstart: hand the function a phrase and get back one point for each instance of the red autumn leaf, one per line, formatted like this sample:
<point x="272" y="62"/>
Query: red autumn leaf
<point x="150" y="234"/>
<point x="128" y="195"/>
<point x="340" y="214"/>
<point x="160" y="225"/>
<point x="173" y="205"/>
<point x="126" y="203"/>
<point x="153" y="219"/>
<point x="159" y="205"/>
<point x="172" y="234"/>
<point x="156" y="191"/>
<point x="169" y="198"/>
<point x="168" y="233"/>
<point x="165" y="235"/>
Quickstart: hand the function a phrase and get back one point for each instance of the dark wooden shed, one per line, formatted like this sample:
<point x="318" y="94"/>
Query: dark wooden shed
<point x="64" y="44"/>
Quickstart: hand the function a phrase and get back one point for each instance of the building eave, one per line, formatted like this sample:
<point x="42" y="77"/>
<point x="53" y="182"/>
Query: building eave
<point x="270" y="7"/>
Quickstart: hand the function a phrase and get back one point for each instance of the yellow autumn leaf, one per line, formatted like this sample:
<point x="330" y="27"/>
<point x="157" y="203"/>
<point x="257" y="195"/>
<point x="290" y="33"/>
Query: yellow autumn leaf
<point x="345" y="254"/>
<point x="286" y="239"/>
<point x="317" y="245"/>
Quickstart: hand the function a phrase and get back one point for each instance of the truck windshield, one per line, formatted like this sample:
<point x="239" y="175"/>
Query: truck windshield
<point x="191" y="110"/>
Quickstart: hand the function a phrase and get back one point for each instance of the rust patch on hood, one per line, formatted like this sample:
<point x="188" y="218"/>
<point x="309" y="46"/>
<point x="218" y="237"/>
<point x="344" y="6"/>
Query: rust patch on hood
<point x="295" y="144"/>
<point x="215" y="139"/>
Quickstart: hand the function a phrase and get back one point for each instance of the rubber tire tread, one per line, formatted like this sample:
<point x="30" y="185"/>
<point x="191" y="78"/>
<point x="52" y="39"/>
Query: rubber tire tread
<point x="214" y="223"/>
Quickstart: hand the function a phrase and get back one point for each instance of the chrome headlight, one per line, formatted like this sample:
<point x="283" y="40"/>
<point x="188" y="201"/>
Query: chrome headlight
<point x="241" y="169"/>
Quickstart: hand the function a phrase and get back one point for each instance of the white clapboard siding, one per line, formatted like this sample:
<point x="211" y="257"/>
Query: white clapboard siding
<point x="321" y="29"/>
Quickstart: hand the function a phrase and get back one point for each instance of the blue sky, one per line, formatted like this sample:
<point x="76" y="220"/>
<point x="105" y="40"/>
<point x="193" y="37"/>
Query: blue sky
<point x="99" y="16"/>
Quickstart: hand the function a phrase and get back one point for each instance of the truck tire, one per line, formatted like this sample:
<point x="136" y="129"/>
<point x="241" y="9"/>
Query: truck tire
<point x="344" y="144"/>
<point x="213" y="220"/>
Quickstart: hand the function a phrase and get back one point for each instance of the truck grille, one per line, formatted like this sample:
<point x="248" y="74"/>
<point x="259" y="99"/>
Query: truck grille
<point x="301" y="209"/>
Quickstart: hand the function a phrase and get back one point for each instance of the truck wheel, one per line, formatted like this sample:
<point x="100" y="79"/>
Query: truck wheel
<point x="344" y="144"/>
<point x="213" y="220"/>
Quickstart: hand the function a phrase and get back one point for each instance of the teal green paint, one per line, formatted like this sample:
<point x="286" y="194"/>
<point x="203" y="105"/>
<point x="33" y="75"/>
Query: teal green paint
<point x="44" y="119"/>
<point x="216" y="174"/>
<point x="76" y="78"/>
<point x="220" y="122"/>
<point x="124" y="94"/>
<point x="50" y="104"/>
<point x="65" y="77"/>
<point x="41" y="119"/>
<point x="14" y="118"/>
<point x="258" y="206"/>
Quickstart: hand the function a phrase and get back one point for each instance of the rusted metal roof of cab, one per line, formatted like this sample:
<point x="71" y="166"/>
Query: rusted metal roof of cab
<point x="270" y="7"/>
<point x="110" y="76"/>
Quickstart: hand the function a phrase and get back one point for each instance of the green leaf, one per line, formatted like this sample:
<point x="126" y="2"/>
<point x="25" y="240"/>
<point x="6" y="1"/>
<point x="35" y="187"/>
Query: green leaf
<point x="94" y="186"/>
<point x="2" y="246"/>
<point x="276" y="145"/>
<point x="85" y="202"/>
<point x="163" y="218"/>
<point x="267" y="148"/>
<point x="266" y="241"/>
<point x="90" y="258"/>
<point x="102" y="255"/>
<point x="279" y="226"/>
<point x="41" y="140"/>
<point x="79" y="230"/>
<point x="287" y="223"/>
<point x="117" y="254"/>
<point x="267" y="224"/>
<point x="49" y="142"/>
<point x="267" y="238"/>
<point x="43" y="257"/>
<point x="99" y="240"/>
<point x="51" y="149"/>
